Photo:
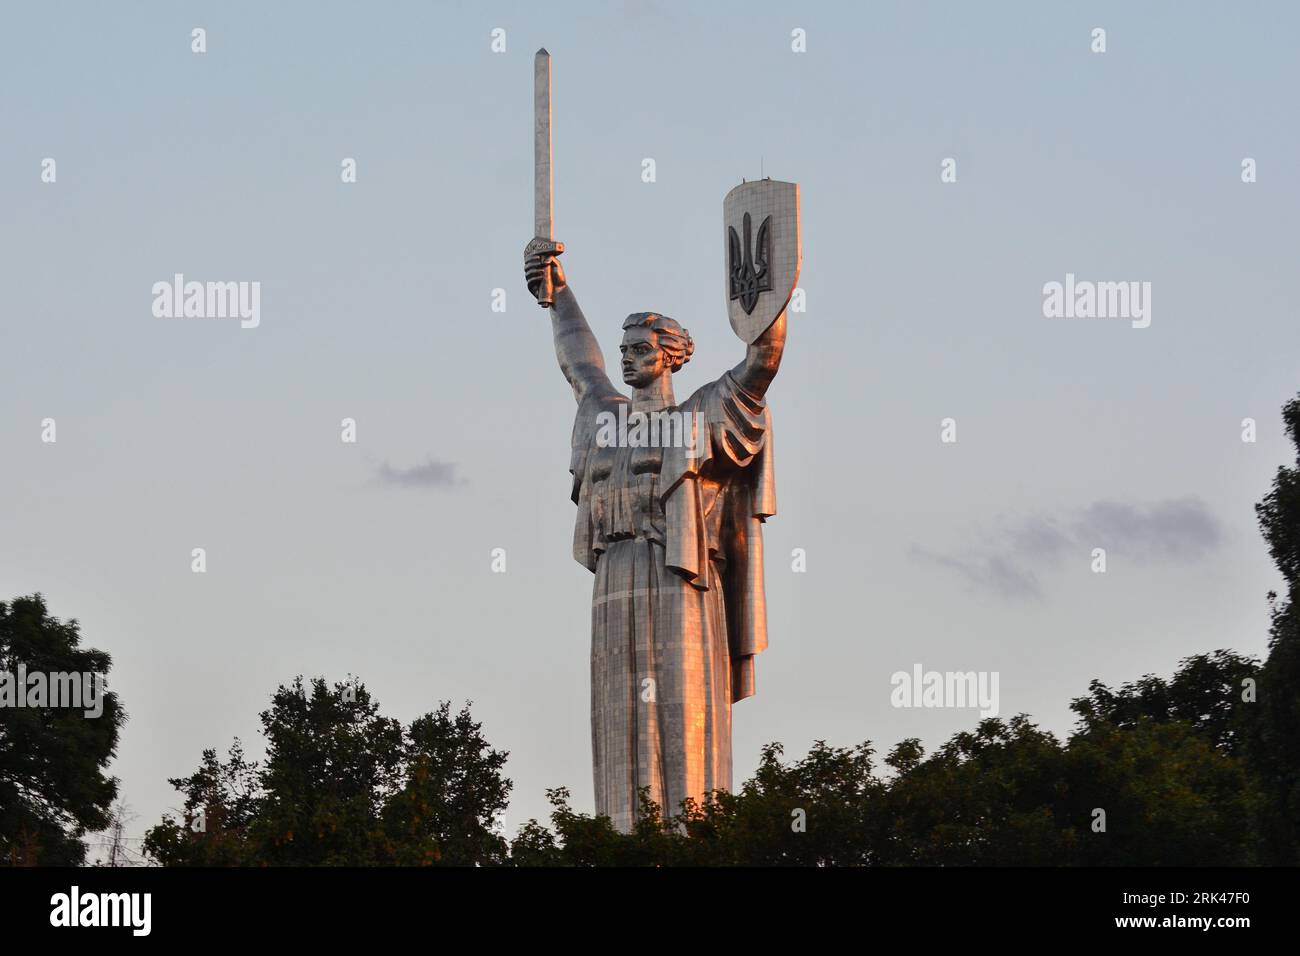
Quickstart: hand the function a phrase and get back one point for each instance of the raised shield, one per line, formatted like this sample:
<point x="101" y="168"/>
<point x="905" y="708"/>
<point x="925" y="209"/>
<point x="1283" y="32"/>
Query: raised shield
<point x="760" y="235"/>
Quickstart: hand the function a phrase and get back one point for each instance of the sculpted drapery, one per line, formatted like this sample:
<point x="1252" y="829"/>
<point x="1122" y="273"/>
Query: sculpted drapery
<point x="673" y="536"/>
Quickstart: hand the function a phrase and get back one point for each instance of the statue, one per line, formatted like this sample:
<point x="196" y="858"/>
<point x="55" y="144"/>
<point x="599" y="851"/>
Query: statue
<point x="672" y="530"/>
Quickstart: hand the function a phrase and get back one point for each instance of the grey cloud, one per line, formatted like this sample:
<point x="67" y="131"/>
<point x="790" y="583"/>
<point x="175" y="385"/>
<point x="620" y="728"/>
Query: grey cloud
<point x="1176" y="530"/>
<point x="1004" y="563"/>
<point x="1036" y="538"/>
<point x="431" y="474"/>
<point x="988" y="572"/>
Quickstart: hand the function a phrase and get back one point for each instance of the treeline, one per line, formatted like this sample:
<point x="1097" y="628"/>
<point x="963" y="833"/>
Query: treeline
<point x="1200" y="768"/>
<point x="1158" y="772"/>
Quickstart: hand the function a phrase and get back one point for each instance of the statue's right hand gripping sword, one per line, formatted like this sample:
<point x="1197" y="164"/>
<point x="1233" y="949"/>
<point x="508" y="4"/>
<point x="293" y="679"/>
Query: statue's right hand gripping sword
<point x="542" y="244"/>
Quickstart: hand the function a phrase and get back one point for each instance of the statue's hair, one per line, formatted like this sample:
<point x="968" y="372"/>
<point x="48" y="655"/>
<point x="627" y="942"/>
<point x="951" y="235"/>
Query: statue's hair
<point x="675" y="341"/>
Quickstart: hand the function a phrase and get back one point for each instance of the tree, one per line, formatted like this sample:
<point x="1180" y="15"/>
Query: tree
<point x="222" y="799"/>
<point x="1206" y="693"/>
<point x="988" y="797"/>
<point x="53" y="789"/>
<point x="342" y="785"/>
<point x="331" y="763"/>
<point x="1201" y="768"/>
<point x="822" y="810"/>
<point x="1275" y="740"/>
<point x="1169" y="796"/>
<point x="447" y="808"/>
<point x="1153" y="758"/>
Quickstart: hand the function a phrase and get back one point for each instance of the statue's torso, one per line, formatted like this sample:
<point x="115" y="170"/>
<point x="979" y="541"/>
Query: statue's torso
<point x="625" y="493"/>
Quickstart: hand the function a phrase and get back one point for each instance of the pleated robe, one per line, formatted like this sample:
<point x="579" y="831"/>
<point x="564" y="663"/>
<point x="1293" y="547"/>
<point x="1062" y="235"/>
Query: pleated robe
<point x="674" y="538"/>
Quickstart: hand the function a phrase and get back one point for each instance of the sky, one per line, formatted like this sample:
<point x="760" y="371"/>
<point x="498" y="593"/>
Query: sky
<point x="924" y="302"/>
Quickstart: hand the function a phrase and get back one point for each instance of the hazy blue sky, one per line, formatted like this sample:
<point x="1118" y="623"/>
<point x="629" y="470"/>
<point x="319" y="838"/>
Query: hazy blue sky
<point x="924" y="302"/>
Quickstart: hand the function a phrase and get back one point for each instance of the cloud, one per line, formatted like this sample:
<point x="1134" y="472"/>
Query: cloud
<point x="432" y="474"/>
<point x="1004" y="563"/>
<point x="1036" y="539"/>
<point x="1181" y="530"/>
<point x="988" y="572"/>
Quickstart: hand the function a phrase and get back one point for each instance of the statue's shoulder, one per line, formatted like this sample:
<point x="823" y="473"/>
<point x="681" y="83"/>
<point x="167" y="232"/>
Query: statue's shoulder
<point x="591" y="407"/>
<point x="599" y="400"/>
<point x="722" y="394"/>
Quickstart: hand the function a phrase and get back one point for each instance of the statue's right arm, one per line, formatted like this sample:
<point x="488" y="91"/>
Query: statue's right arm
<point x="575" y="346"/>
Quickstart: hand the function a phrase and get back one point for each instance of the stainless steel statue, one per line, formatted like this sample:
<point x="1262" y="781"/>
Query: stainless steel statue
<point x="672" y="529"/>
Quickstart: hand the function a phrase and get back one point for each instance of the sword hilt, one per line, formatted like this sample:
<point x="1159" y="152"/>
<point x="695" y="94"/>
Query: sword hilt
<point x="539" y="246"/>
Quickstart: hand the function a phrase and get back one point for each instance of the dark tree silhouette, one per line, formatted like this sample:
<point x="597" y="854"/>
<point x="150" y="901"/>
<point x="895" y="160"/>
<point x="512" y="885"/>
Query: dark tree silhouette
<point x="1201" y="768"/>
<point x="1275" y="742"/>
<point x="53" y="789"/>
<point x="342" y="785"/>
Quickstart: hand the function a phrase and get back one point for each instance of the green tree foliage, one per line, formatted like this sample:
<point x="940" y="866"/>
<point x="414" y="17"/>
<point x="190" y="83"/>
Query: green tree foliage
<point x="989" y="797"/>
<point x="1006" y="794"/>
<point x="1275" y="740"/>
<point x="332" y="761"/>
<point x="342" y="785"/>
<point x="1208" y="693"/>
<point x="1199" y="769"/>
<point x="53" y="789"/>
<point x="452" y="793"/>
<point x="1202" y="768"/>
<point x="1170" y="798"/>
<point x="222" y="801"/>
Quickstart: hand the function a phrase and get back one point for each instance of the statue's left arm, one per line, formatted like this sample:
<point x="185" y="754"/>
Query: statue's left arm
<point x="762" y="359"/>
<point x="735" y="446"/>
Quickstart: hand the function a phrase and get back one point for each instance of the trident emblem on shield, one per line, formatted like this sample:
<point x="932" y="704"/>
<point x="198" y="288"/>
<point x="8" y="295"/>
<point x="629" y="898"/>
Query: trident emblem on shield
<point x="749" y="276"/>
<point x="761" y="268"/>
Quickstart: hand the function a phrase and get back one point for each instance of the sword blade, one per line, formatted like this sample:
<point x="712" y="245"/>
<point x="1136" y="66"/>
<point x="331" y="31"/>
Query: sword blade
<point x="542" y="181"/>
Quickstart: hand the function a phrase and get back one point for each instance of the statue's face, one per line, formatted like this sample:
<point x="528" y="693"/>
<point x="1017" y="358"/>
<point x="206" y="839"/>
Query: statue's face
<point x="643" y="359"/>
